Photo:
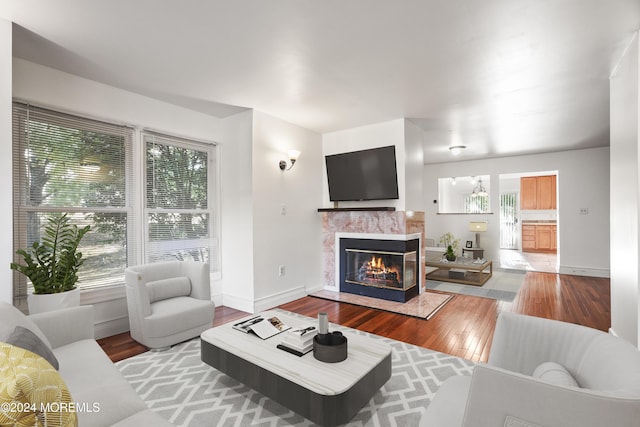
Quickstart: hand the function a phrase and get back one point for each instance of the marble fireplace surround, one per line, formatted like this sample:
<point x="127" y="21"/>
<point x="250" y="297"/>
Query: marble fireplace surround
<point x="384" y="225"/>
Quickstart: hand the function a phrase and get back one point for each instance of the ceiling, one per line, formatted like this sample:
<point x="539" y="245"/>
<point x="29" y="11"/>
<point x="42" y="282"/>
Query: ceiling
<point x="502" y="77"/>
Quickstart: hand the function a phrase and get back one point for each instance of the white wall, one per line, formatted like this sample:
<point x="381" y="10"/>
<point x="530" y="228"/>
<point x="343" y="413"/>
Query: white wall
<point x="6" y="192"/>
<point x="583" y="181"/>
<point x="625" y="289"/>
<point x="362" y="138"/>
<point x="414" y="166"/>
<point x="287" y="229"/>
<point x="51" y="88"/>
<point x="236" y="206"/>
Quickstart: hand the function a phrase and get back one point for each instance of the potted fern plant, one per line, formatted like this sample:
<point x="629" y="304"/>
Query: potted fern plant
<point x="52" y="265"/>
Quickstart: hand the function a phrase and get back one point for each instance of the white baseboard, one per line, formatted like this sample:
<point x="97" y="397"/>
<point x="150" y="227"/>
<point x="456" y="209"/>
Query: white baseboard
<point x="217" y="299"/>
<point x="238" y="303"/>
<point x="274" y="300"/>
<point x="264" y="303"/>
<point x="111" y="327"/>
<point x="318" y="289"/>
<point x="612" y="332"/>
<point x="584" y="271"/>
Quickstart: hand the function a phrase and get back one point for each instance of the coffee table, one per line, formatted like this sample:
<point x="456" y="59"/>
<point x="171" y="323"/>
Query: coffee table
<point x="325" y="393"/>
<point x="467" y="271"/>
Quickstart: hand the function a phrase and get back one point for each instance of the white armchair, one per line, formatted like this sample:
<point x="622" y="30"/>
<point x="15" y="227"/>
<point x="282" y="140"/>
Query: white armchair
<point x="168" y="302"/>
<point x="593" y="380"/>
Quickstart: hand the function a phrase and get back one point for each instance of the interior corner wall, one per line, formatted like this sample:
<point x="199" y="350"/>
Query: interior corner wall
<point x="362" y="138"/>
<point x="584" y="239"/>
<point x="413" y="167"/>
<point x="6" y="189"/>
<point x="625" y="196"/>
<point x="287" y="229"/>
<point x="236" y="285"/>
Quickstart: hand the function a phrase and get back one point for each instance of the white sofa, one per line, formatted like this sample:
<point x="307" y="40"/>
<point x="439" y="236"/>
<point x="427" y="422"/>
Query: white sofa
<point x="548" y="373"/>
<point x="168" y="302"/>
<point x="96" y="386"/>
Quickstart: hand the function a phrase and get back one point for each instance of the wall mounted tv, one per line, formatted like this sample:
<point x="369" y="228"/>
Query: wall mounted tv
<point x="363" y="175"/>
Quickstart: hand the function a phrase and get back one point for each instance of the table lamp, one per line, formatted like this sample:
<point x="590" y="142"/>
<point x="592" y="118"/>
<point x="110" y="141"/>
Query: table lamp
<point x="478" y="227"/>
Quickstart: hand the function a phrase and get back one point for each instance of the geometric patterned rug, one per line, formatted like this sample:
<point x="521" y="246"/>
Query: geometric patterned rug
<point x="180" y="387"/>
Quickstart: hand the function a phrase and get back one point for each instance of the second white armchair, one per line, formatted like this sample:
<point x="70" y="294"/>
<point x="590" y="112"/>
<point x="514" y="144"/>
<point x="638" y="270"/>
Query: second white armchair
<point x="168" y="302"/>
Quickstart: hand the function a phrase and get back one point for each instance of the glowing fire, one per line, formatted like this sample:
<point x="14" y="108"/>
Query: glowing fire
<point x="376" y="269"/>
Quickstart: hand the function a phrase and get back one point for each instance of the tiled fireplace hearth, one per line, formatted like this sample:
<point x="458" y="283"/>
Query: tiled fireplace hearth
<point x="374" y="239"/>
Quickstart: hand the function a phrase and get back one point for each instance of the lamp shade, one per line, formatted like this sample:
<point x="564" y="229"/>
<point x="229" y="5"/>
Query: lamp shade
<point x="478" y="226"/>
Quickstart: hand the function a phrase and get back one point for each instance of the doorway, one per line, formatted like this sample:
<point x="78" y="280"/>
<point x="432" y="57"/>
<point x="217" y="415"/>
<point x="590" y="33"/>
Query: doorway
<point x="509" y="220"/>
<point x="516" y="224"/>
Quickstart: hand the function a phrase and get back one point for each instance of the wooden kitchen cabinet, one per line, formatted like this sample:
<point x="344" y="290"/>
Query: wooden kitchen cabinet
<point x="539" y="238"/>
<point x="543" y="237"/>
<point x="538" y="192"/>
<point x="528" y="192"/>
<point x="546" y="192"/>
<point x="528" y="237"/>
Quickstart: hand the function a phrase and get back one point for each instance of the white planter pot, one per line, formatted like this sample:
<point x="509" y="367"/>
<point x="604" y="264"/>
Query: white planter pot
<point x="49" y="302"/>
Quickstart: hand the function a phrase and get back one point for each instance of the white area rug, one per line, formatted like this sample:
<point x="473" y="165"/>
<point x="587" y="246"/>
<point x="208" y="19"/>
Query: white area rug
<point x="187" y="392"/>
<point x="503" y="285"/>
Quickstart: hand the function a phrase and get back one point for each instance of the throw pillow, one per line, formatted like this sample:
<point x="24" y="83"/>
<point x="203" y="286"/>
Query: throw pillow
<point x="168" y="288"/>
<point x="24" y="338"/>
<point x="12" y="317"/>
<point x="32" y="392"/>
<point x="554" y="373"/>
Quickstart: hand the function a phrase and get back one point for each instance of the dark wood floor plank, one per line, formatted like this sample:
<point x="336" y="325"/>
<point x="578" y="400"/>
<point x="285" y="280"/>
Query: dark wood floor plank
<point x="464" y="327"/>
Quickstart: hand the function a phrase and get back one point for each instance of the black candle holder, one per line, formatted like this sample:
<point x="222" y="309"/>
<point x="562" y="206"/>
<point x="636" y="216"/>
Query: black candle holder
<point x="330" y="347"/>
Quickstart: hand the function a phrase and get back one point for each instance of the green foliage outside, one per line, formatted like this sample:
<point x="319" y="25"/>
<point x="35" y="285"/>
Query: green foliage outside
<point x="84" y="172"/>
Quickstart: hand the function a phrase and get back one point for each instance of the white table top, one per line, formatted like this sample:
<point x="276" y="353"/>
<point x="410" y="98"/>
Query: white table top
<point x="364" y="354"/>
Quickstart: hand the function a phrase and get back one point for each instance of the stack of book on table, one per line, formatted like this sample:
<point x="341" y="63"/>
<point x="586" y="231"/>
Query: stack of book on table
<point x="298" y="341"/>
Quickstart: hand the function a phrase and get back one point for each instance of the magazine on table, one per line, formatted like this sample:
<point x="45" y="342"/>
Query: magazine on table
<point x="261" y="326"/>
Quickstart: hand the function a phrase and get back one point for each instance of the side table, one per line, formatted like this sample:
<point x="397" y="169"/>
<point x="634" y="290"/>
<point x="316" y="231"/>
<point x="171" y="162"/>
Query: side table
<point x="475" y="252"/>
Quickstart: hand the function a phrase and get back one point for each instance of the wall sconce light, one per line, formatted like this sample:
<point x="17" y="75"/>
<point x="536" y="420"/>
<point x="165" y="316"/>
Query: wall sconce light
<point x="293" y="156"/>
<point x="457" y="149"/>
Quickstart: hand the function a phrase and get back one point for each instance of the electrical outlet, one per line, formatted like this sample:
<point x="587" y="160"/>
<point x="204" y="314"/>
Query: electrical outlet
<point x="281" y="270"/>
<point x="584" y="211"/>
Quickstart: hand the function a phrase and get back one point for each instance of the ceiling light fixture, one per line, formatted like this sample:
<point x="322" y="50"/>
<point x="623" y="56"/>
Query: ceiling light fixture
<point x="453" y="181"/>
<point x="293" y="156"/>
<point x="479" y="189"/>
<point x="457" y="149"/>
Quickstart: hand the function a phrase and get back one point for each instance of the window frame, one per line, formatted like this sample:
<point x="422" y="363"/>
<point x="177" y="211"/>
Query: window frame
<point x="135" y="199"/>
<point x="213" y="199"/>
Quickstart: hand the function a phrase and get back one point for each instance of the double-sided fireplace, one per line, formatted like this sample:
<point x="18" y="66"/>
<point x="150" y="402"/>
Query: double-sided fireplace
<point x="386" y="269"/>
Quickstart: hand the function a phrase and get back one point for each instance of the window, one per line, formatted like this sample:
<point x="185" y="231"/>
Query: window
<point x="180" y="200"/>
<point x="464" y="194"/>
<point x="84" y="167"/>
<point x="64" y="163"/>
<point x="475" y="204"/>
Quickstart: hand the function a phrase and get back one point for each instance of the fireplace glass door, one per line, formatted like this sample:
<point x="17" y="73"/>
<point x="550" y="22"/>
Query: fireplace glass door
<point x="394" y="270"/>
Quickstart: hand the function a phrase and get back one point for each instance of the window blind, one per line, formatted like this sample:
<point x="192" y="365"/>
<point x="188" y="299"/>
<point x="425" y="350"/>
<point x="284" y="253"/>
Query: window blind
<point x="65" y="163"/>
<point x="180" y="199"/>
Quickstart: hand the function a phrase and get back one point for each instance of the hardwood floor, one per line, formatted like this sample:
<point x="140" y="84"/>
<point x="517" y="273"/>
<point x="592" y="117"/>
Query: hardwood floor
<point x="463" y="328"/>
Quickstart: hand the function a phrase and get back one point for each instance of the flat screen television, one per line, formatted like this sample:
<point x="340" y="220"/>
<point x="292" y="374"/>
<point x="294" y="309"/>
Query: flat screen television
<point x="363" y="175"/>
